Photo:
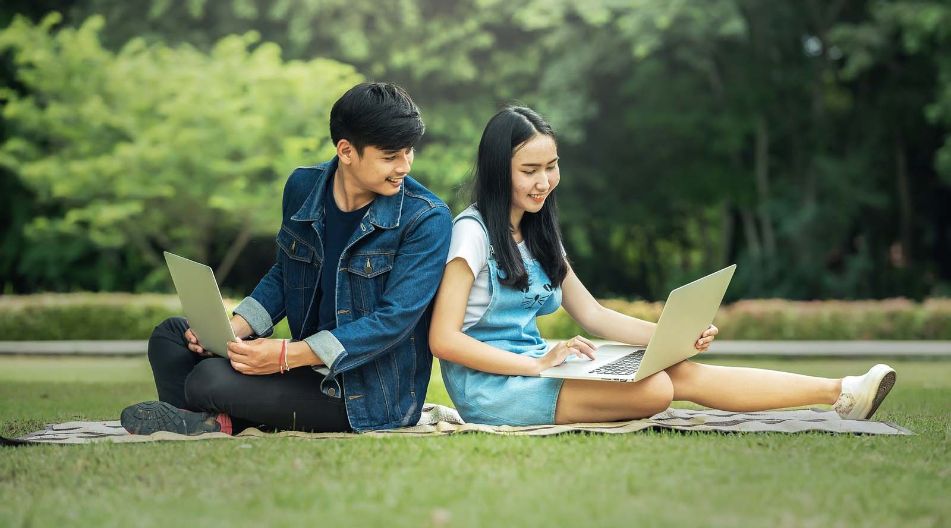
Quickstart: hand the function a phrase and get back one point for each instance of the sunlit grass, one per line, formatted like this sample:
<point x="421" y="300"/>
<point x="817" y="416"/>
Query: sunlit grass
<point x="470" y="480"/>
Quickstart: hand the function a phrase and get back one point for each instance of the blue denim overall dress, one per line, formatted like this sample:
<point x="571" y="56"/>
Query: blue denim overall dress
<point x="508" y="324"/>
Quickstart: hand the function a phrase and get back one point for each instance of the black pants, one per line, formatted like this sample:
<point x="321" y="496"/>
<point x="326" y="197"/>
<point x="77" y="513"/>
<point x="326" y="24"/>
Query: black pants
<point x="290" y="401"/>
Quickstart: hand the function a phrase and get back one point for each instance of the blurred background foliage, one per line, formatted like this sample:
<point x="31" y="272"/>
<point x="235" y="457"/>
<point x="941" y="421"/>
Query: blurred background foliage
<point x="807" y="141"/>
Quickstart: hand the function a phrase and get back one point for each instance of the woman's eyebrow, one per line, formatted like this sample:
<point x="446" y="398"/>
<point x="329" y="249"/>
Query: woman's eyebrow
<point x="539" y="164"/>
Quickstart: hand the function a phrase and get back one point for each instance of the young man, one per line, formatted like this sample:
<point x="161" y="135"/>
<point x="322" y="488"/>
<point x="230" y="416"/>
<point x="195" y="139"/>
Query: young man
<point x="359" y="258"/>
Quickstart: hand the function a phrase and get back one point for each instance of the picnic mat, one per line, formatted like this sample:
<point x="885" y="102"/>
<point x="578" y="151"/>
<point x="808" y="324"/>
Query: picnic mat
<point x="440" y="420"/>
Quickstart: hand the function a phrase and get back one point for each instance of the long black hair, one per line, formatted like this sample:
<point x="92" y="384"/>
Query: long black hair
<point x="492" y="193"/>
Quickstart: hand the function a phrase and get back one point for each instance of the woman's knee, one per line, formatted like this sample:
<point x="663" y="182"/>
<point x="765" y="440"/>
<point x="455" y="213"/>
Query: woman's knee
<point x="682" y="370"/>
<point x="656" y="392"/>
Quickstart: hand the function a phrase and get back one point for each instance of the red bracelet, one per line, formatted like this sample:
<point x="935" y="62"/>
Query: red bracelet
<point x="283" y="357"/>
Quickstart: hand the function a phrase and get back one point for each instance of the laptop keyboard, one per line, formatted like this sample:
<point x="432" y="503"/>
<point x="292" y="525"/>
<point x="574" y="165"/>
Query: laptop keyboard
<point x="624" y="366"/>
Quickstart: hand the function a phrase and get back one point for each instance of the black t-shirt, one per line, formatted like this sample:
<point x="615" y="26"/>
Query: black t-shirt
<point x="338" y="227"/>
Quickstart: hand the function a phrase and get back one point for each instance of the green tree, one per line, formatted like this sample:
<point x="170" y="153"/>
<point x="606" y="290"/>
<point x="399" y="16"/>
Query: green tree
<point x="806" y="140"/>
<point x="156" y="147"/>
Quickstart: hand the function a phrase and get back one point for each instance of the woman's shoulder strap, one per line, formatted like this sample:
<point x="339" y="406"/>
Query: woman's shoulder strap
<point x="473" y="213"/>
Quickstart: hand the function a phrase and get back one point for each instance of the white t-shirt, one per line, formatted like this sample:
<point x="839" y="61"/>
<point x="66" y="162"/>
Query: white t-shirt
<point x="469" y="242"/>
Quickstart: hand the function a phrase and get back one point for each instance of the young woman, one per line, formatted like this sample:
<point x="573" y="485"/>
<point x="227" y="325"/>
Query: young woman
<point x="506" y="266"/>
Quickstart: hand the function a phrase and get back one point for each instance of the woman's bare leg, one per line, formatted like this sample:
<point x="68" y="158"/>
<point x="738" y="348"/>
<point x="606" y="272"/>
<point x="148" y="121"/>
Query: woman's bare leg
<point x="600" y="401"/>
<point x="747" y="389"/>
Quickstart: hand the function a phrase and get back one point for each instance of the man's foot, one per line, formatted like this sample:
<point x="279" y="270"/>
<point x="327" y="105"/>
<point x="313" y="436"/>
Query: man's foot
<point x="148" y="417"/>
<point x="861" y="395"/>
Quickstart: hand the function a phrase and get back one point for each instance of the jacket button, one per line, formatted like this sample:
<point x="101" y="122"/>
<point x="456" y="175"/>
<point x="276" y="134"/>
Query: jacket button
<point x="332" y="392"/>
<point x="363" y="227"/>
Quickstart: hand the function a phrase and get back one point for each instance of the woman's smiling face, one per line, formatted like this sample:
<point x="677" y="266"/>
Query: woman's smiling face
<point x="534" y="173"/>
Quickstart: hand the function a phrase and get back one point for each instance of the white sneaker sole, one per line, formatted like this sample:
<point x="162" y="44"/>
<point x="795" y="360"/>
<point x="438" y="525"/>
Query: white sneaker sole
<point x="886" y="380"/>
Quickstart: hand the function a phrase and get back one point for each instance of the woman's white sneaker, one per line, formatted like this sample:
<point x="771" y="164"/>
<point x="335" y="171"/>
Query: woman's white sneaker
<point x="861" y="395"/>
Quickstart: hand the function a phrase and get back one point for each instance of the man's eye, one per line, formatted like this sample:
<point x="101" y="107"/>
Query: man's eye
<point x="390" y="158"/>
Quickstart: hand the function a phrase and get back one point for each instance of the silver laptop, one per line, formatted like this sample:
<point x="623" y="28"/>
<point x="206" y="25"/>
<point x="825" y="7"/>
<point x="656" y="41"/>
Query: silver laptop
<point x="689" y="310"/>
<point x="201" y="302"/>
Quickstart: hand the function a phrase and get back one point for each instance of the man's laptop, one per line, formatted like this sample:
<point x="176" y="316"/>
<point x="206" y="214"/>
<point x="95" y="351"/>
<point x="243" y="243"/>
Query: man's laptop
<point x="201" y="302"/>
<point x="689" y="310"/>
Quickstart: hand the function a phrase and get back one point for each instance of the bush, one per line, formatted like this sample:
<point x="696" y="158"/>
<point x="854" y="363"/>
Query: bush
<point x="774" y="319"/>
<point x="83" y="316"/>
<point x="88" y="316"/>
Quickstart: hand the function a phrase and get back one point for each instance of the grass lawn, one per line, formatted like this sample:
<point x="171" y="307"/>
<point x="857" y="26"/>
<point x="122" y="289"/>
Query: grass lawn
<point x="643" y="479"/>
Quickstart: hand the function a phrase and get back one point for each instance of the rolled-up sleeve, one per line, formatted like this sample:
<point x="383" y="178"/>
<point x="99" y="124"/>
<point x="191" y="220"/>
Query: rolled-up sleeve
<point x="257" y="316"/>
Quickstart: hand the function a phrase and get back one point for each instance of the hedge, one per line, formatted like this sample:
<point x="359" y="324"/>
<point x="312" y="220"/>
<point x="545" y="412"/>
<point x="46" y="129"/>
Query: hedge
<point x="774" y="319"/>
<point x="85" y="316"/>
<point x="90" y="316"/>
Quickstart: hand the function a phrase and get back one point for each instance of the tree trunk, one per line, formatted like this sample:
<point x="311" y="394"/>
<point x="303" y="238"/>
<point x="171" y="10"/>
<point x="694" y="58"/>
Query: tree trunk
<point x="145" y="250"/>
<point x="234" y="251"/>
<point x="904" y="200"/>
<point x="726" y="235"/>
<point x="762" y="187"/>
<point x="752" y="236"/>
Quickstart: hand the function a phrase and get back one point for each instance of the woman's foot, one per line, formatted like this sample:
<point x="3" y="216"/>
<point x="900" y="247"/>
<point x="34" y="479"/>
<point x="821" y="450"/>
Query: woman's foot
<point x="861" y="395"/>
<point x="148" y="417"/>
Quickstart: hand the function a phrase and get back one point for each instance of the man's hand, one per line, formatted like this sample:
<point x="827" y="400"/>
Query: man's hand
<point x="240" y="327"/>
<point x="257" y="357"/>
<point x="706" y="338"/>
<point x="194" y="345"/>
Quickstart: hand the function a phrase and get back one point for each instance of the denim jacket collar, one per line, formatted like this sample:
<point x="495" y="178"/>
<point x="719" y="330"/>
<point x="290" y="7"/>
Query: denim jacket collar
<point x="384" y="212"/>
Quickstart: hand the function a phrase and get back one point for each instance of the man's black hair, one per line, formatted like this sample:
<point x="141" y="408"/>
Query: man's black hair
<point x="376" y="114"/>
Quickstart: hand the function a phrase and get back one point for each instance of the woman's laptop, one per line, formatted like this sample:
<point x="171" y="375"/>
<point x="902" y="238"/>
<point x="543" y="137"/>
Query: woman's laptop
<point x="689" y="310"/>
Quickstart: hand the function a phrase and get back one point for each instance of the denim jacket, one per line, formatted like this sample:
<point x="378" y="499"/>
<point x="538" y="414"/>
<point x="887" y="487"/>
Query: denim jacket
<point x="378" y="354"/>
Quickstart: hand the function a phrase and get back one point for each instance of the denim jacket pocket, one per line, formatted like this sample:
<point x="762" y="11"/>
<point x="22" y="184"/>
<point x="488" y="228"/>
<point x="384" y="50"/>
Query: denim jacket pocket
<point x="298" y="260"/>
<point x="294" y="247"/>
<point x="370" y="265"/>
<point x="368" y="276"/>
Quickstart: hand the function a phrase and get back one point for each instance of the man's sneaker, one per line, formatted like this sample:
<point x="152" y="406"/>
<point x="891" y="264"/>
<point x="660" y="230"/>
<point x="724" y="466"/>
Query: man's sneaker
<point x="148" y="417"/>
<point x="861" y="395"/>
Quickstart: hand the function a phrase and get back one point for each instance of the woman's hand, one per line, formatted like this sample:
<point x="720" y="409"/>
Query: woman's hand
<point x="257" y="357"/>
<point x="706" y="338"/>
<point x="557" y="355"/>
